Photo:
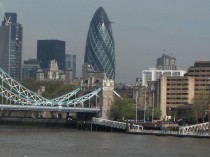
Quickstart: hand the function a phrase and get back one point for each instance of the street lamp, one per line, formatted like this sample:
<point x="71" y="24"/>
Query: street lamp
<point x="136" y="104"/>
<point x="153" y="100"/>
<point x="145" y="104"/>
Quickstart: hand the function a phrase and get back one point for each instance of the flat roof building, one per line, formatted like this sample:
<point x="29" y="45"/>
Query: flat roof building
<point x="153" y="74"/>
<point x="176" y="93"/>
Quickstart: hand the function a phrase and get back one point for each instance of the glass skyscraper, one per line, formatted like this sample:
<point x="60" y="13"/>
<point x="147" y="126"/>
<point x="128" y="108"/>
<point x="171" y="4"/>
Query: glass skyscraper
<point x="11" y="45"/>
<point x="100" y="49"/>
<point x="71" y="63"/>
<point x="30" y="68"/>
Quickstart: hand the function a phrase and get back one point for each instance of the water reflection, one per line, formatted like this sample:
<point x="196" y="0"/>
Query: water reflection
<point x="22" y="141"/>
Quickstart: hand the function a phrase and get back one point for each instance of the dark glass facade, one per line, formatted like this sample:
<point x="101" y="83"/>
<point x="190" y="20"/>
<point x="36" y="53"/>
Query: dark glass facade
<point x="48" y="50"/>
<point x="11" y="45"/>
<point x="30" y="68"/>
<point x="100" y="49"/>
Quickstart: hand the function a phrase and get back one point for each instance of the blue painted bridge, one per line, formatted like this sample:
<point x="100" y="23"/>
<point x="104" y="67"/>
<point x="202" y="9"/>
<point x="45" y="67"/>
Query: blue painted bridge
<point x="18" y="97"/>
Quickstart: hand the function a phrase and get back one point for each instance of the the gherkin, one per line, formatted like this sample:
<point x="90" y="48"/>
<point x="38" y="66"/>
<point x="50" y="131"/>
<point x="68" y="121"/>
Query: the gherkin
<point x="100" y="49"/>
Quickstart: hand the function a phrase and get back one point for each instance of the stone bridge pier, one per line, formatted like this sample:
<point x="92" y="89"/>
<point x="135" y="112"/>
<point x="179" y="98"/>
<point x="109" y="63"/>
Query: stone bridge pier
<point x="107" y="97"/>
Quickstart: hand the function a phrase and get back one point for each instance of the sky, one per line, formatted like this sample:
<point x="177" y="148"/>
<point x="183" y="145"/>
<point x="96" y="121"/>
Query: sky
<point x="143" y="30"/>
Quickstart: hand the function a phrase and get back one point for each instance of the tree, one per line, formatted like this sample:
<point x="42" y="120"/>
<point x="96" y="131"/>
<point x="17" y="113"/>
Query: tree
<point x="122" y="108"/>
<point x="200" y="104"/>
<point x="157" y="113"/>
<point x="52" y="88"/>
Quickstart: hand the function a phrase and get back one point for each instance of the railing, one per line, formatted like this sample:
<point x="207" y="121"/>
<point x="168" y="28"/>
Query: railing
<point x="117" y="124"/>
<point x="173" y="133"/>
<point x="194" y="129"/>
<point x="48" y="108"/>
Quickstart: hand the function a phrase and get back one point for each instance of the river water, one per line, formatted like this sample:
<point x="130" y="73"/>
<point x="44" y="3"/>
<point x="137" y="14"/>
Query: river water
<point x="22" y="141"/>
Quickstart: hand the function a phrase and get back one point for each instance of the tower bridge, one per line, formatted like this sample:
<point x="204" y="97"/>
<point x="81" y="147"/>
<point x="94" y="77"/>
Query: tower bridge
<point x="16" y="97"/>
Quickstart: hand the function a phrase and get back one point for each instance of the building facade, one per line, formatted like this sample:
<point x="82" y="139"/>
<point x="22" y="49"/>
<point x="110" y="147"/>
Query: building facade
<point x="176" y="94"/>
<point x="166" y="63"/>
<point x="100" y="48"/>
<point x="30" y="68"/>
<point x="11" y="45"/>
<point x="71" y="61"/>
<point x="48" y="50"/>
<point x="53" y="73"/>
<point x="153" y="74"/>
<point x="201" y="72"/>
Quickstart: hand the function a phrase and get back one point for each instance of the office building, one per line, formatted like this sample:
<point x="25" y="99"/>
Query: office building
<point x="30" y="68"/>
<point x="48" y="50"/>
<point x="153" y="74"/>
<point x="71" y="64"/>
<point x="201" y="72"/>
<point x="166" y="63"/>
<point x="176" y="95"/>
<point x="100" y="49"/>
<point x="11" y="45"/>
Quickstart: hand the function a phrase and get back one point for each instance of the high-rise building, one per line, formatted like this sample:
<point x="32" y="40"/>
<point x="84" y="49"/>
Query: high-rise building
<point x="30" y="68"/>
<point x="48" y="50"/>
<point x="166" y="63"/>
<point x="71" y="63"/>
<point x="100" y="49"/>
<point x="11" y="45"/>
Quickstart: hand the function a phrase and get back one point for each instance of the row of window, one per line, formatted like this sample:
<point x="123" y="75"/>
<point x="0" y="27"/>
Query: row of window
<point x="184" y="84"/>
<point x="177" y="89"/>
<point x="176" y="98"/>
<point x="175" y="80"/>
<point x="171" y="103"/>
<point x="198" y="70"/>
<point x="177" y="93"/>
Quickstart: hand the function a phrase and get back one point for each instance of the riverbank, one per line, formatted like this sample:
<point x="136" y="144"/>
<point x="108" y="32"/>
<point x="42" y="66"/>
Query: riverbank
<point x="88" y="126"/>
<point x="63" y="123"/>
<point x="39" y="122"/>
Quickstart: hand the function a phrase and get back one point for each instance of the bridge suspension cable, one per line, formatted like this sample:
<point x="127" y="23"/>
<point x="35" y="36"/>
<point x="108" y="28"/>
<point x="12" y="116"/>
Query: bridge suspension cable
<point x="28" y="94"/>
<point x="11" y="90"/>
<point x="19" y="89"/>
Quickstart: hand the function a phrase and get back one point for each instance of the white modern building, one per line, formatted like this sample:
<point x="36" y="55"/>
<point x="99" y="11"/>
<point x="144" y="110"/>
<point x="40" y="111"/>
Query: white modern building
<point x="153" y="74"/>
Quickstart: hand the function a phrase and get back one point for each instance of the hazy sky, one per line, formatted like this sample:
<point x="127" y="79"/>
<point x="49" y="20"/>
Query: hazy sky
<point x="142" y="29"/>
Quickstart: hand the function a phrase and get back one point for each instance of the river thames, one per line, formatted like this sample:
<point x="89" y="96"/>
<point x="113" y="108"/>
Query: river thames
<point x="22" y="141"/>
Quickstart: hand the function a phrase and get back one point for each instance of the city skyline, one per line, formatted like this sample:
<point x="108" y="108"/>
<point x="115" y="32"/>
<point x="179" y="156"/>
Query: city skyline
<point x="142" y="30"/>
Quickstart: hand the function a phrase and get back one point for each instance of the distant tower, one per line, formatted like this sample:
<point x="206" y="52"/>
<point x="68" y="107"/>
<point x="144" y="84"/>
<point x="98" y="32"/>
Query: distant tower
<point x="52" y="71"/>
<point x="68" y="76"/>
<point x="100" y="49"/>
<point x="11" y="45"/>
<point x="71" y="61"/>
<point x="166" y="63"/>
<point x="40" y="75"/>
<point x="48" y="50"/>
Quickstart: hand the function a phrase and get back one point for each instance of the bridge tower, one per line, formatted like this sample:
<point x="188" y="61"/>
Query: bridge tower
<point x="107" y="97"/>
